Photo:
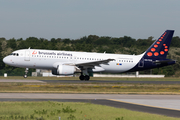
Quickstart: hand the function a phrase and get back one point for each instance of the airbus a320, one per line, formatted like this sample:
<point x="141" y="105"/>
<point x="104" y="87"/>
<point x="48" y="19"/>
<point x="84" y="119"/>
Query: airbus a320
<point x="69" y="62"/>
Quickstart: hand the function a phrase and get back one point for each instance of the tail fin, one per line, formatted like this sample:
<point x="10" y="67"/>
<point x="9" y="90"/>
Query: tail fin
<point x="159" y="49"/>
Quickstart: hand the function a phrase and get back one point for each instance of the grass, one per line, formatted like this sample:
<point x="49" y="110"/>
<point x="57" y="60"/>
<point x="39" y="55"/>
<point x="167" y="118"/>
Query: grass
<point x="116" y="88"/>
<point x="70" y="111"/>
<point x="91" y="88"/>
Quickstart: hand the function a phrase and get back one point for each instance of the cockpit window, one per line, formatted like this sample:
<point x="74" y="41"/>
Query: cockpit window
<point x="14" y="54"/>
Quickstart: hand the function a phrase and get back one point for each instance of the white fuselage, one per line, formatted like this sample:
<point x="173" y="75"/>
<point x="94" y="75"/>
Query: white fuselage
<point x="47" y="59"/>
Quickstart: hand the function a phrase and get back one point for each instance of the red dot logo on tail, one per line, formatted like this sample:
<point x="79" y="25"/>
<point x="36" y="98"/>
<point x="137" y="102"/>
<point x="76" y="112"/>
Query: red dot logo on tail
<point x="156" y="54"/>
<point x="155" y="46"/>
<point x="149" y="54"/>
<point x="153" y="49"/>
<point x="162" y="52"/>
<point x="165" y="50"/>
<point x="158" y="42"/>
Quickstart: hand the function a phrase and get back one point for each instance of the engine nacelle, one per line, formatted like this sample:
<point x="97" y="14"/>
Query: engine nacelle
<point x="64" y="70"/>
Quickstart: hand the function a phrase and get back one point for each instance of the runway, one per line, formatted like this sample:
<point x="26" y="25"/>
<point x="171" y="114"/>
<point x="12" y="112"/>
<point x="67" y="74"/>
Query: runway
<point x="109" y="81"/>
<point x="168" y="105"/>
<point x="90" y="81"/>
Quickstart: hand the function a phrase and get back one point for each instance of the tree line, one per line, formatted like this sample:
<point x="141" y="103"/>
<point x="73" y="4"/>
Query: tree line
<point x="91" y="43"/>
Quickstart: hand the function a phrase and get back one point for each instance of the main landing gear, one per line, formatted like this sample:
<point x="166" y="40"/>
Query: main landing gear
<point x="84" y="75"/>
<point x="26" y="72"/>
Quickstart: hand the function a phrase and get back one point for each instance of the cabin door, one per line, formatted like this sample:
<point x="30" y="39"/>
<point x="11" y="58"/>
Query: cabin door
<point x="141" y="63"/>
<point x="27" y="55"/>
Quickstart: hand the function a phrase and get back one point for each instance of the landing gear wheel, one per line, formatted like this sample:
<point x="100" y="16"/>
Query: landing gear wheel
<point x="86" y="77"/>
<point x="25" y="76"/>
<point x="81" y="77"/>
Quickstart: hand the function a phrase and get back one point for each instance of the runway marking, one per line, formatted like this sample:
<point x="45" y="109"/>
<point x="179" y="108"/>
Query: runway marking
<point x="143" y="105"/>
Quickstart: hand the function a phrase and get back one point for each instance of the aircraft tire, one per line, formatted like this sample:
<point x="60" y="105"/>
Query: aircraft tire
<point x="86" y="77"/>
<point x="25" y="76"/>
<point x="81" y="77"/>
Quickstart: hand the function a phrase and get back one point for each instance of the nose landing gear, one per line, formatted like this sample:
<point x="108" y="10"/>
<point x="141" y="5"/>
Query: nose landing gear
<point x="26" y="72"/>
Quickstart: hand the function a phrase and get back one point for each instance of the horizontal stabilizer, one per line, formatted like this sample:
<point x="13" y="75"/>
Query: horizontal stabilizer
<point x="163" y="61"/>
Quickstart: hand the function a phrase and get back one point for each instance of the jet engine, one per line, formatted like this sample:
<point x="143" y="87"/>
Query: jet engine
<point x="64" y="70"/>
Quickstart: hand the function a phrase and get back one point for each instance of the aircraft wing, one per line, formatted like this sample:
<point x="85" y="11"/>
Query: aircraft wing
<point x="92" y="64"/>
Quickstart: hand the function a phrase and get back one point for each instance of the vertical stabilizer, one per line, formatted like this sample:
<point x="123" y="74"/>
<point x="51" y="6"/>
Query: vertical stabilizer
<point x="159" y="49"/>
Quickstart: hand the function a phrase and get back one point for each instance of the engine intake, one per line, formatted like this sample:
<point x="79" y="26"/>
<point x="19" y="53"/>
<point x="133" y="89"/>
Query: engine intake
<point x="64" y="70"/>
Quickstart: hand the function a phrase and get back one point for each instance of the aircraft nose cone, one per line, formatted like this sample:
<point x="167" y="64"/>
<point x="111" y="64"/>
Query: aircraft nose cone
<point x="5" y="60"/>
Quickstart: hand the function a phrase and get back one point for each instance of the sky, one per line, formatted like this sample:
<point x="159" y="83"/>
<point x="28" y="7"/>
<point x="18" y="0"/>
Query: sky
<point x="78" y="18"/>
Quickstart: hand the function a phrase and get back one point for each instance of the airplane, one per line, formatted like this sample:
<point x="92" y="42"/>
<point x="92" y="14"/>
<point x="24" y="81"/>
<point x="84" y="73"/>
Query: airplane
<point x="70" y="62"/>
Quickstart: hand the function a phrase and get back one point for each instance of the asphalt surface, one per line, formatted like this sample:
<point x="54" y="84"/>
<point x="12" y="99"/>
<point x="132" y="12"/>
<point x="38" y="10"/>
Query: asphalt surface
<point x="100" y="81"/>
<point x="113" y="100"/>
<point x="90" y="81"/>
